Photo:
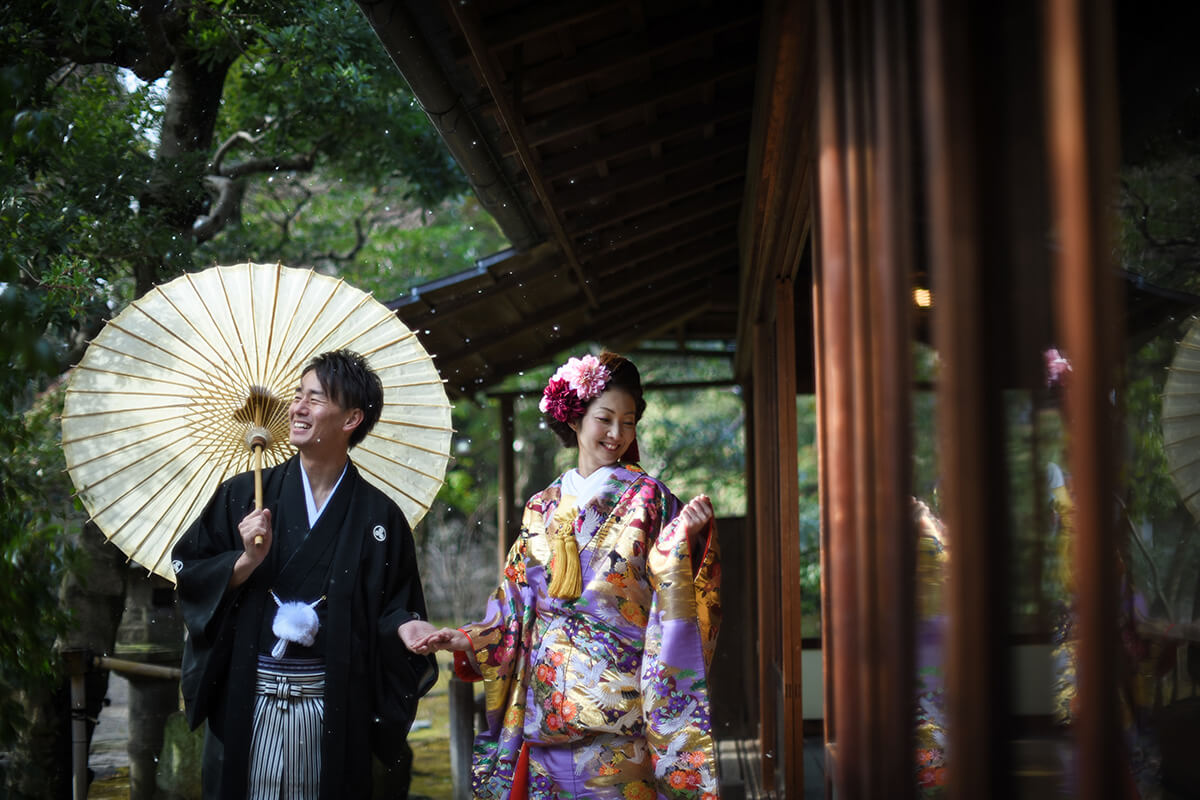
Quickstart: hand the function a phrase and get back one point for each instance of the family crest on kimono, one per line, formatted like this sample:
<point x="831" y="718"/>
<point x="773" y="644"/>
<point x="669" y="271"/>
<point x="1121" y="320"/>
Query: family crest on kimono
<point x="595" y="649"/>
<point x="297" y="614"/>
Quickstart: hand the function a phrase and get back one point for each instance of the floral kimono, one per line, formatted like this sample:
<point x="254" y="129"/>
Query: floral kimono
<point x="605" y="695"/>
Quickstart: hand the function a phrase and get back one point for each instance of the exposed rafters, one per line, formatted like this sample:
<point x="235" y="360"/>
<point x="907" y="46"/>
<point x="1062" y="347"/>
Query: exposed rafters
<point x="624" y="132"/>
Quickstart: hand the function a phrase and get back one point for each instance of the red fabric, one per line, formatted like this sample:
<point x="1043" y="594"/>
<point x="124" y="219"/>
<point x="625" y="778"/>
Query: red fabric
<point x="520" y="785"/>
<point x="462" y="664"/>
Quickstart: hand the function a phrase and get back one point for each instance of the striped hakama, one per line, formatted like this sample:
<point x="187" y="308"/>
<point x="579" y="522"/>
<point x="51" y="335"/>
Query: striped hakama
<point x="289" y="707"/>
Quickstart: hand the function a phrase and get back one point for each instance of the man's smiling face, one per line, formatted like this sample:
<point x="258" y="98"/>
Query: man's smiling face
<point x="315" y="421"/>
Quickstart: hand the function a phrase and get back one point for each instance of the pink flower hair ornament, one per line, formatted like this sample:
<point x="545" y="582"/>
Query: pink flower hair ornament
<point x="575" y="383"/>
<point x="1057" y="367"/>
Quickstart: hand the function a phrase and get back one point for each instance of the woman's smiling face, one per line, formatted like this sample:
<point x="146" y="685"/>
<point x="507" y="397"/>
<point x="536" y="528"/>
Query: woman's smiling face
<point x="605" y="430"/>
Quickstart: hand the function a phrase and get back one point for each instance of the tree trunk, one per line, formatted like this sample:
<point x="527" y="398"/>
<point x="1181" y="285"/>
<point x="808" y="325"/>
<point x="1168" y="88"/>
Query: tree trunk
<point x="96" y="597"/>
<point x="177" y="192"/>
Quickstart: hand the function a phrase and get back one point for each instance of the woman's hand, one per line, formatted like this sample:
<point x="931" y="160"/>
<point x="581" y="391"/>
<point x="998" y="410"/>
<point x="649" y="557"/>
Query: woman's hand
<point x="435" y="640"/>
<point x="413" y="631"/>
<point x="696" y="514"/>
<point x="695" y="517"/>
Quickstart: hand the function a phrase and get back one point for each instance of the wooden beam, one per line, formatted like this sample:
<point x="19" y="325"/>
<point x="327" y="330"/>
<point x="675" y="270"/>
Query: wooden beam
<point x="698" y="179"/>
<point x="677" y="216"/>
<point x="442" y="307"/>
<point x="467" y="17"/>
<point x="672" y="386"/>
<point x="621" y="101"/>
<point x="505" y="30"/>
<point x="622" y="345"/>
<point x="696" y="259"/>
<point x="584" y="192"/>
<point x="726" y="107"/>
<point x="713" y="230"/>
<point x="670" y="302"/>
<point x="669" y="305"/>
<point x="665" y="35"/>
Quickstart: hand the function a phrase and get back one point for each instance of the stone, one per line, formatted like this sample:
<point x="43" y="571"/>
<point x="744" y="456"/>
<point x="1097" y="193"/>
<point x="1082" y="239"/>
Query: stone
<point x="180" y="761"/>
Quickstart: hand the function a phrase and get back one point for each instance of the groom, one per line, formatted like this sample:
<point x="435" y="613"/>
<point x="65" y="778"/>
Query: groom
<point x="299" y="614"/>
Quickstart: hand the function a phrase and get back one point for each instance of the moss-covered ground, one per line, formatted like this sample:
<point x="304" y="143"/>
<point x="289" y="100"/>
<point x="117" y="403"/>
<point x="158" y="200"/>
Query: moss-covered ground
<point x="431" y="745"/>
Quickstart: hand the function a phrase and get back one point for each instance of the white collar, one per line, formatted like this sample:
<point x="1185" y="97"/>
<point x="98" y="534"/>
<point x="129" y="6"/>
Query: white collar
<point x="584" y="489"/>
<point x="314" y="513"/>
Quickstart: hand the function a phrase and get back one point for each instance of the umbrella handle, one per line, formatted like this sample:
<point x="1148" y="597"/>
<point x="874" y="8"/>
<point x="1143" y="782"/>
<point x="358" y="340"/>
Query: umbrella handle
<point x="258" y="490"/>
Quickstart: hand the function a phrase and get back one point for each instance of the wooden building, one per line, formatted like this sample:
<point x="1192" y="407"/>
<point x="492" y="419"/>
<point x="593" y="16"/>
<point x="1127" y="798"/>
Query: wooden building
<point x="784" y="176"/>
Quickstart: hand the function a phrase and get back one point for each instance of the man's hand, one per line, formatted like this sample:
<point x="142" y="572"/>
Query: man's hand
<point x="429" y="639"/>
<point x="414" y="631"/>
<point x="255" y="530"/>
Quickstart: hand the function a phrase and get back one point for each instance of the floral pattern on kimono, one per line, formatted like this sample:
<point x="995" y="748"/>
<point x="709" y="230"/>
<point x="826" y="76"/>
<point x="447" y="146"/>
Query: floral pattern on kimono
<point x="625" y="661"/>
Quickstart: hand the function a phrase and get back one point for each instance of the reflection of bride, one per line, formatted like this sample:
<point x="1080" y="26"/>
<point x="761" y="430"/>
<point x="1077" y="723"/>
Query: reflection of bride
<point x="931" y="622"/>
<point x="1141" y="753"/>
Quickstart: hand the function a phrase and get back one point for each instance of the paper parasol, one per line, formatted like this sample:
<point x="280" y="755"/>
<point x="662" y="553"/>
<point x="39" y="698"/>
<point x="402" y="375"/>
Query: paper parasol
<point x="1181" y="419"/>
<point x="162" y="407"/>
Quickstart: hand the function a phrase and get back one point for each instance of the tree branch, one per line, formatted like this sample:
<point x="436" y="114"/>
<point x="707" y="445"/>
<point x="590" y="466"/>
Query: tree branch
<point x="227" y="145"/>
<point x="300" y="162"/>
<point x="285" y="223"/>
<point x="1141" y="222"/>
<point x="361" y="234"/>
<point x="226" y="184"/>
<point x="160" y="22"/>
<point x="142" y="42"/>
<point x="227" y="202"/>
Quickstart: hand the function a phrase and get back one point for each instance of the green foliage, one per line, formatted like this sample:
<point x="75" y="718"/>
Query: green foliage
<point x="310" y="222"/>
<point x="45" y="287"/>
<point x="693" y="440"/>
<point x="1158" y="228"/>
<point x="35" y="501"/>
<point x="298" y="89"/>
<point x="1151" y="490"/>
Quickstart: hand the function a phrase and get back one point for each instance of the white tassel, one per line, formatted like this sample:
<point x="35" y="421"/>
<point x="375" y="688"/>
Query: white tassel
<point x="294" y="622"/>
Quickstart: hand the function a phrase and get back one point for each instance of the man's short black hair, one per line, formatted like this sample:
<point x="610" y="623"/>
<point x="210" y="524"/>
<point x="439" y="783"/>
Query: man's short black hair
<point x="351" y="383"/>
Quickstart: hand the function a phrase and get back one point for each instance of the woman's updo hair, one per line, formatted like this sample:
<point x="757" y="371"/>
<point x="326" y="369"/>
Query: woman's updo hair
<point x="623" y="375"/>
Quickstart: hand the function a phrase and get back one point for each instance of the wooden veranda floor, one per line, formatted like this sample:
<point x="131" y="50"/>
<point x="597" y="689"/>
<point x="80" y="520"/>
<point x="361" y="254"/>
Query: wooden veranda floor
<point x="740" y="770"/>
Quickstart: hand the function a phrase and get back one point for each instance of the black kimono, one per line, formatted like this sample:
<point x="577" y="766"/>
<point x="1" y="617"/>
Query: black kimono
<point x="361" y="557"/>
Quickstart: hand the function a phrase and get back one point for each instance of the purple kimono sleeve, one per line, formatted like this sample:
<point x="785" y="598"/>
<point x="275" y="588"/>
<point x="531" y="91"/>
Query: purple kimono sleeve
<point x="500" y="645"/>
<point x="680" y="634"/>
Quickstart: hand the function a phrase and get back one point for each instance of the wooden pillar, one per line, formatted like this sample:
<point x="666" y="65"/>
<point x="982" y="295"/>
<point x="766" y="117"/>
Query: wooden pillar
<point x="788" y="564"/>
<point x="506" y="523"/>
<point x="777" y="528"/>
<point x="983" y="76"/>
<point x="861" y="292"/>
<point x="773" y="240"/>
<point x="831" y="278"/>
<point x="887" y="280"/>
<point x="766" y="524"/>
<point x="822" y="378"/>
<point x="970" y="419"/>
<point x="461" y="697"/>
<point x="1081" y="131"/>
